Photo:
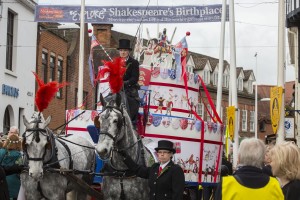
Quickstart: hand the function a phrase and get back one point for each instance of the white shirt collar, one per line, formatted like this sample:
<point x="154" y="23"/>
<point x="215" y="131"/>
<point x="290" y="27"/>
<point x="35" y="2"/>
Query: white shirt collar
<point x="163" y="165"/>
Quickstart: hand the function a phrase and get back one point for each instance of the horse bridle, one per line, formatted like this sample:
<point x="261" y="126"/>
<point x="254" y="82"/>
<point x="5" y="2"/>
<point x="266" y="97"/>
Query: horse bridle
<point x="36" y="131"/>
<point x="120" y="124"/>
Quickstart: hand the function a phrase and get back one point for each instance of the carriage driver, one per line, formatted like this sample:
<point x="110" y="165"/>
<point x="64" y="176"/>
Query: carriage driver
<point x="165" y="179"/>
<point x="130" y="79"/>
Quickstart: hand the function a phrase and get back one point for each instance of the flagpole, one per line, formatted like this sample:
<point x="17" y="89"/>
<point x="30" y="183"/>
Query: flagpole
<point x="221" y="59"/>
<point x="233" y="80"/>
<point x="81" y="57"/>
<point x="280" y="67"/>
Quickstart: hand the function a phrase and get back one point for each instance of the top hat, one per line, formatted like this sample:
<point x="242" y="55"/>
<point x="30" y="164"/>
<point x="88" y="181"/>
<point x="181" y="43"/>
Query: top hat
<point x="124" y="44"/>
<point x="165" y="145"/>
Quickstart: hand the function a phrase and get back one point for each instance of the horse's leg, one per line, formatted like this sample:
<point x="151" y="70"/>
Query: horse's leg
<point x="71" y="195"/>
<point x="30" y="187"/>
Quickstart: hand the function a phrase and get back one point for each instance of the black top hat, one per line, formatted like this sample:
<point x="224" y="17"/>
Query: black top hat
<point x="165" y="145"/>
<point x="124" y="44"/>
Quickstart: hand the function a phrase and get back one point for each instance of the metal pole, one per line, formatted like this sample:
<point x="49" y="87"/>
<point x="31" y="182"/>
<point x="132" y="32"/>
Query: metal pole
<point x="255" y="124"/>
<point x="280" y="67"/>
<point x="256" y="111"/>
<point x="221" y="59"/>
<point x="81" y="57"/>
<point x="233" y="79"/>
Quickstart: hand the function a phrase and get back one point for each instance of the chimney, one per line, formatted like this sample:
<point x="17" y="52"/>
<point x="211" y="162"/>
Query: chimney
<point x="103" y="33"/>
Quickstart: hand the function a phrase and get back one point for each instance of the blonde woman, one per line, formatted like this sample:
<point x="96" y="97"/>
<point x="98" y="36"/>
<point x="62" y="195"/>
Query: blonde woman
<point x="285" y="163"/>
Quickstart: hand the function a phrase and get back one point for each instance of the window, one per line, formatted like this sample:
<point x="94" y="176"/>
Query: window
<point x="244" y="120"/>
<point x="240" y="84"/>
<point x="208" y="118"/>
<point x="252" y="128"/>
<point x="206" y="76"/>
<point x="52" y="68"/>
<point x="84" y="99"/>
<point x="9" y="40"/>
<point x="6" y="121"/>
<point x="262" y="126"/>
<point x="59" y="77"/>
<point x="190" y="69"/>
<point x="44" y="66"/>
<point x="215" y="80"/>
<point x="250" y="87"/>
<point x="225" y="81"/>
<point x="200" y="109"/>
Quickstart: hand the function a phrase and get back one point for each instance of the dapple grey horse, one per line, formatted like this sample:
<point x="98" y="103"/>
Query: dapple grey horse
<point x="117" y="134"/>
<point x="42" y="149"/>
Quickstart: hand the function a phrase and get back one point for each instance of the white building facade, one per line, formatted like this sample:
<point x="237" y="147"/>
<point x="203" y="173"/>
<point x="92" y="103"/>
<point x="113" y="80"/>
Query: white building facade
<point x="18" y="60"/>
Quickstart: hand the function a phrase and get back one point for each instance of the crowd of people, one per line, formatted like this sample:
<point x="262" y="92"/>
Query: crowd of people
<point x="263" y="172"/>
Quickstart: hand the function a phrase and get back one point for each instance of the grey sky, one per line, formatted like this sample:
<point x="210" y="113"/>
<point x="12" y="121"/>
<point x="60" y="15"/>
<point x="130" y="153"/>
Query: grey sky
<point x="255" y="30"/>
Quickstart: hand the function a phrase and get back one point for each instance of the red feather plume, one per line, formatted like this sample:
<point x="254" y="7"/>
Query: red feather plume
<point x="46" y="92"/>
<point x="116" y="72"/>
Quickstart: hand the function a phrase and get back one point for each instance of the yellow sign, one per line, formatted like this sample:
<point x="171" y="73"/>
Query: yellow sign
<point x="230" y="121"/>
<point x="275" y="106"/>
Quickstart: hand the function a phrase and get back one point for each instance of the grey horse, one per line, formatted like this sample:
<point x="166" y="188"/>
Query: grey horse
<point x="42" y="149"/>
<point x="116" y="134"/>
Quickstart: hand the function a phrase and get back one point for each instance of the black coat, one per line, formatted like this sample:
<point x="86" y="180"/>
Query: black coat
<point x="131" y="76"/>
<point x="291" y="191"/>
<point x="5" y="171"/>
<point x="131" y="87"/>
<point x="168" y="186"/>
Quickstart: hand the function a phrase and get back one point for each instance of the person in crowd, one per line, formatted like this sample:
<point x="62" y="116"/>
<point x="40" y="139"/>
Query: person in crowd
<point x="10" y="155"/>
<point x="248" y="181"/>
<point x="165" y="179"/>
<point x="13" y="130"/>
<point x="4" y="172"/>
<point x="130" y="79"/>
<point x="285" y="163"/>
<point x="267" y="167"/>
<point x="227" y="163"/>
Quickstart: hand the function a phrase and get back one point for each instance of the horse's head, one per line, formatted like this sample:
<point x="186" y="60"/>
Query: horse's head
<point x="111" y="120"/>
<point x="35" y="140"/>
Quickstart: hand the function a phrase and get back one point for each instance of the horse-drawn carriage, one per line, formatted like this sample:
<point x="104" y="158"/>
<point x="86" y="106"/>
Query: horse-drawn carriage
<point x="169" y="100"/>
<point x="169" y="106"/>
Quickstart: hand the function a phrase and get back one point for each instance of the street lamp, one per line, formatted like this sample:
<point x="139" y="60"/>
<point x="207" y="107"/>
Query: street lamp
<point x="255" y="124"/>
<point x="255" y="116"/>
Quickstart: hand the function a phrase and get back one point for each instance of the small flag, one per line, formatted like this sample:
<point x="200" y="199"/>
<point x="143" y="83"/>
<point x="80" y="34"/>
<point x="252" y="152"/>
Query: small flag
<point x="94" y="43"/>
<point x="181" y="50"/>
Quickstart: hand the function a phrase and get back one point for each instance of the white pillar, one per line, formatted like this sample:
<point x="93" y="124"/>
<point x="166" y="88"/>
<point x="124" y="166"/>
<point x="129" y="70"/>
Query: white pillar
<point x="280" y="66"/>
<point x="233" y="79"/>
<point x="221" y="59"/>
<point x="81" y="56"/>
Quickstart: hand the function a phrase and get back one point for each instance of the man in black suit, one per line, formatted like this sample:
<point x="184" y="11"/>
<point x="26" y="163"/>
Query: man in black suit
<point x="130" y="79"/>
<point x="165" y="178"/>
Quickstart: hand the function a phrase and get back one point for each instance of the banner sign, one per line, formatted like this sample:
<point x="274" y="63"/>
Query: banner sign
<point x="230" y="121"/>
<point x="289" y="127"/>
<point x="275" y="106"/>
<point x="130" y="14"/>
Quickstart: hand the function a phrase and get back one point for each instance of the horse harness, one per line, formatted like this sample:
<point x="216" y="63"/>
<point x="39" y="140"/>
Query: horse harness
<point x="110" y="169"/>
<point x="53" y="162"/>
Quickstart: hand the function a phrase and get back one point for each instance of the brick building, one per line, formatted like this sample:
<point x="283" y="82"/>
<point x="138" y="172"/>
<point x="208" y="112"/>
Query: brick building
<point x="58" y="60"/>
